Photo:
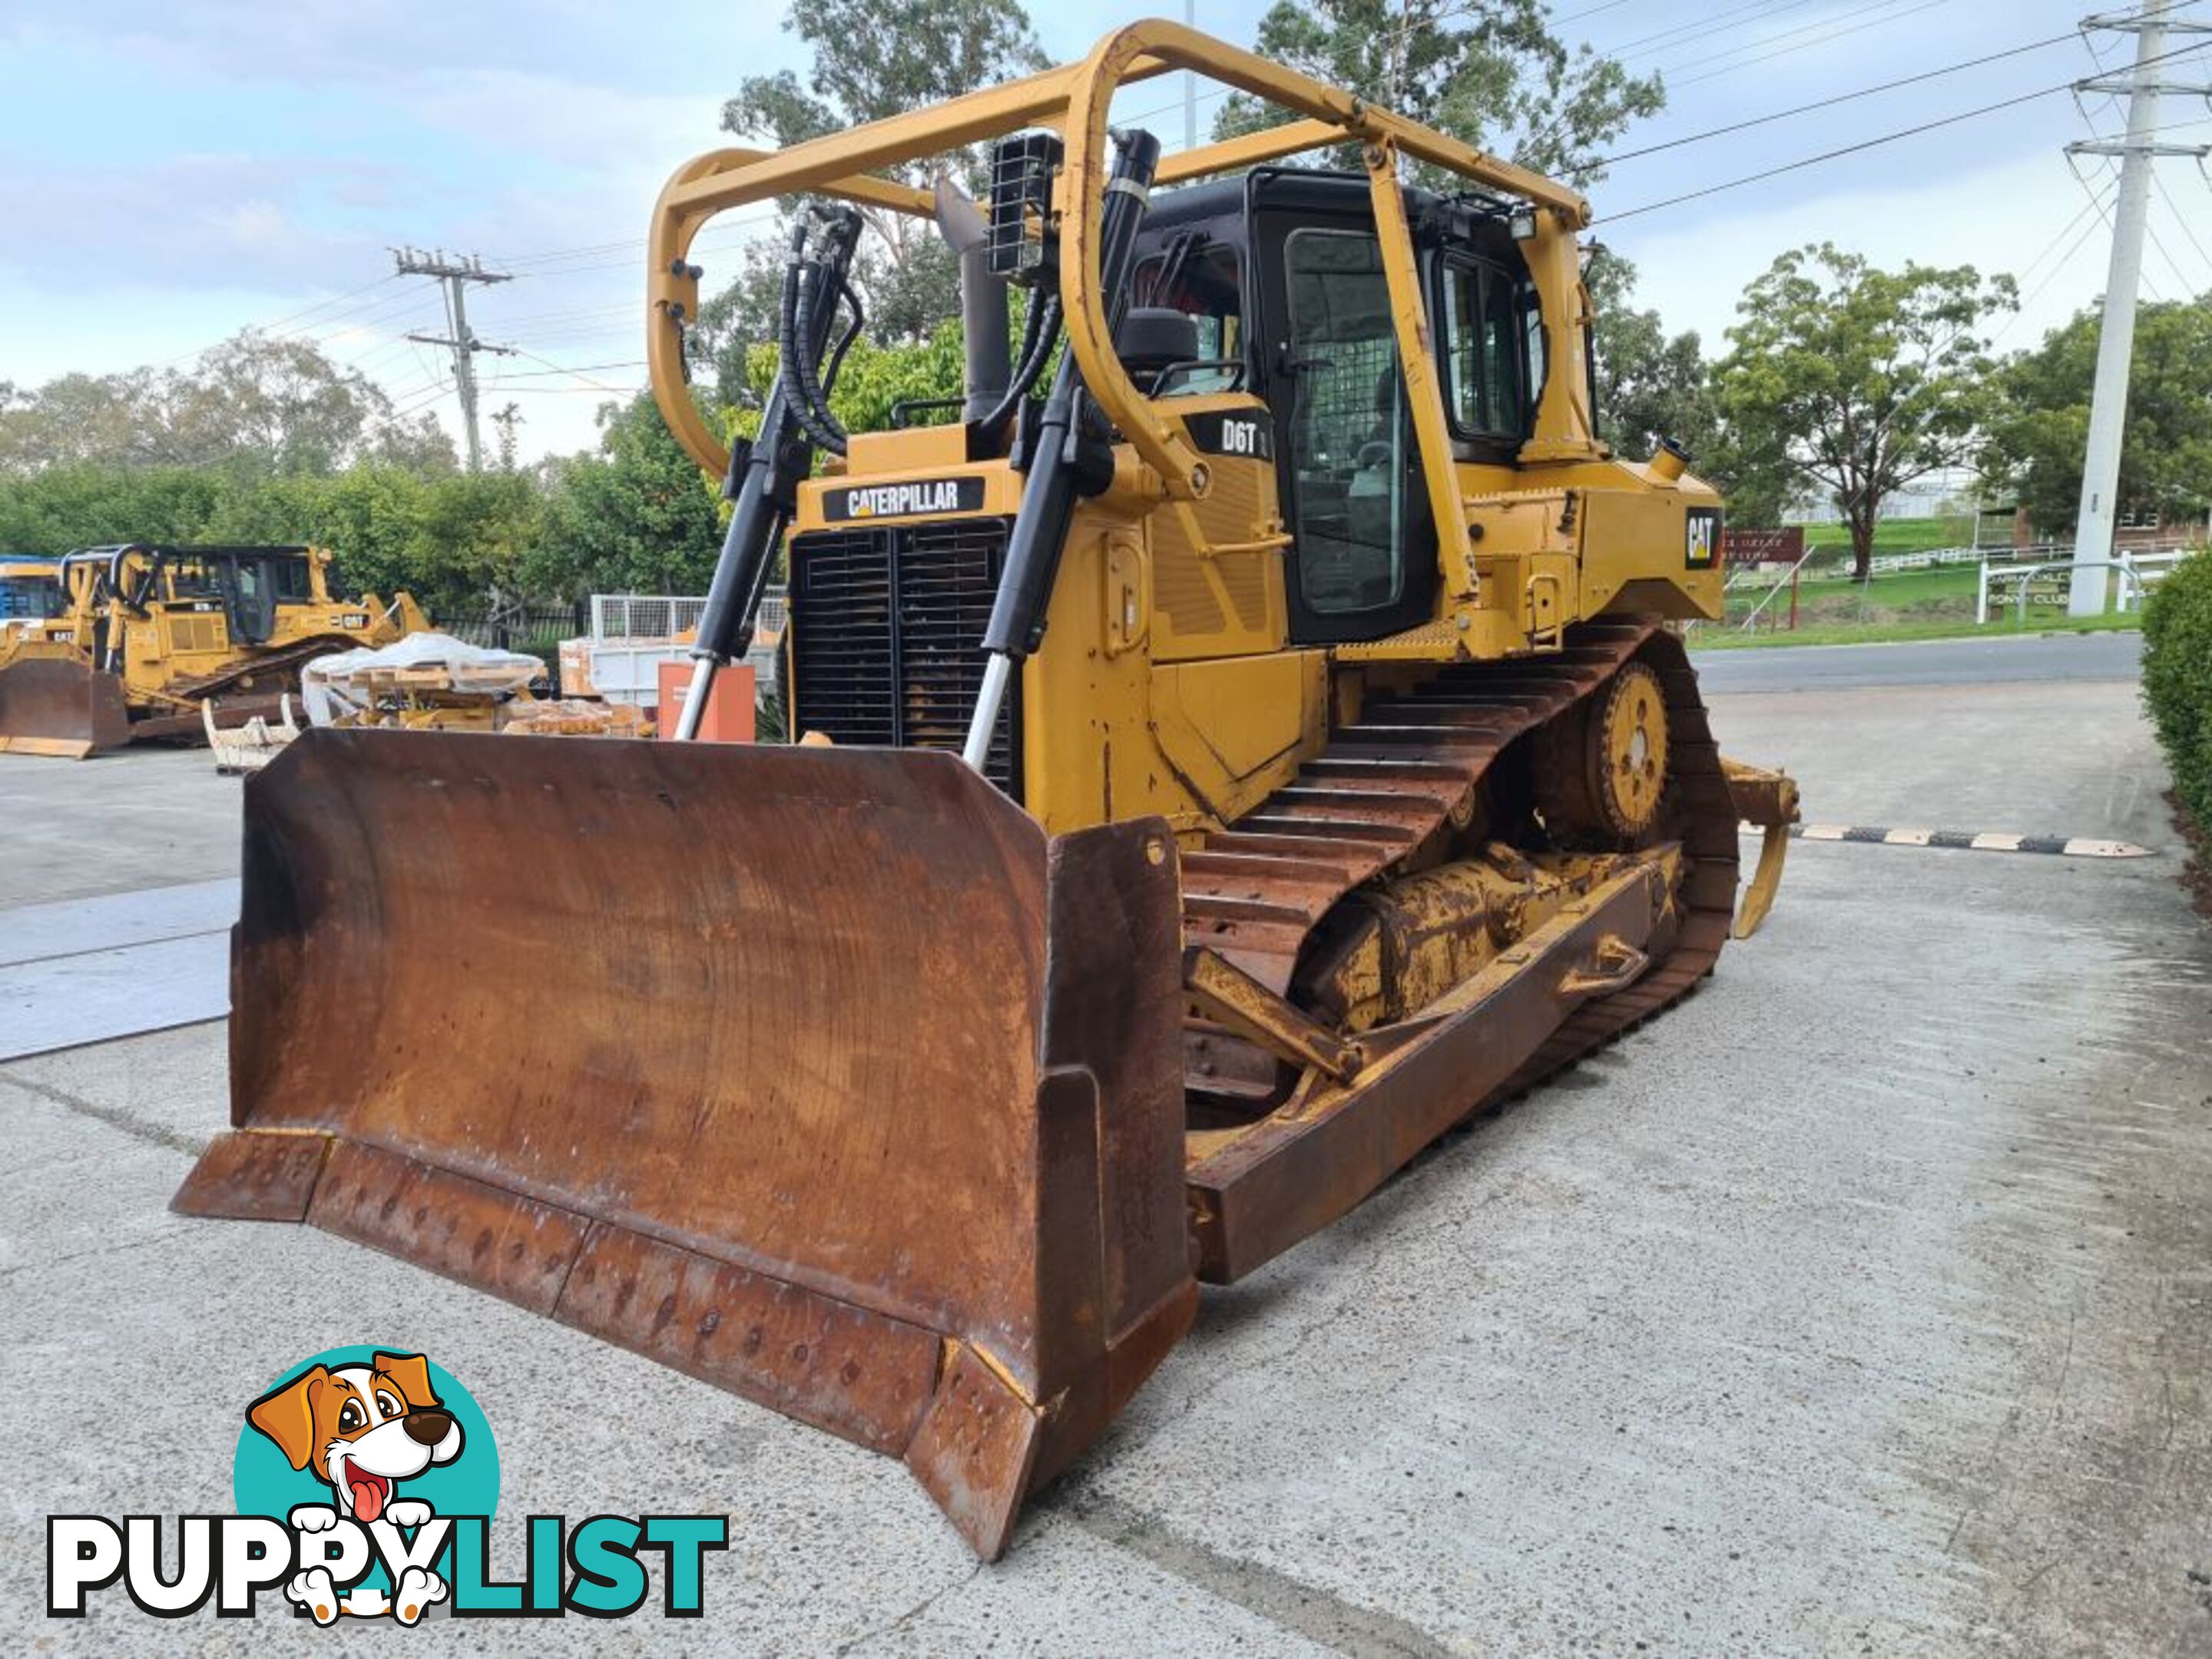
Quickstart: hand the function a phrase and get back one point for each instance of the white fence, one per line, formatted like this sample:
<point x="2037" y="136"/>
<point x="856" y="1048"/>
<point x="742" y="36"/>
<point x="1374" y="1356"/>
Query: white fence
<point x="633" y="633"/>
<point x="664" y="615"/>
<point x="1926" y="558"/>
<point x="643" y="616"/>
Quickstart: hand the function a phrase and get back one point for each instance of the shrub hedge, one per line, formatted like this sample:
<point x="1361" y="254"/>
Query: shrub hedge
<point x="2177" y="678"/>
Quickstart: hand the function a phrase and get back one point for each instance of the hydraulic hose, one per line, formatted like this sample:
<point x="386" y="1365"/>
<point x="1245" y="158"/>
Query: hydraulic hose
<point x="1039" y="334"/>
<point x="763" y="482"/>
<point x="1048" y="496"/>
<point x="801" y="280"/>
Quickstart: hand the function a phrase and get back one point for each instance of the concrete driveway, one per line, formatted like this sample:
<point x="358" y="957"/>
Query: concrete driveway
<point x="1859" y="1305"/>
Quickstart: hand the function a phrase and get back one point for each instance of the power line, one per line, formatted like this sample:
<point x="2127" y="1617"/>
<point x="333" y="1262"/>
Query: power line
<point x="576" y="373"/>
<point x="2105" y="215"/>
<point x="1641" y="47"/>
<point x="578" y="370"/>
<point x="1863" y="144"/>
<point x="2181" y="218"/>
<point x="1827" y="103"/>
<point x="1714" y="70"/>
<point x="1748" y="16"/>
<point x="2088" y="218"/>
<point x="2150" y="230"/>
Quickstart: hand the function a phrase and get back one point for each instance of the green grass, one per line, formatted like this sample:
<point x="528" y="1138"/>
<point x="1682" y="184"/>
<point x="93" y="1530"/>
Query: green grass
<point x="1936" y="598"/>
<point x="1901" y="587"/>
<point x="1935" y="603"/>
<point x="1710" y="638"/>
<point x="1898" y="535"/>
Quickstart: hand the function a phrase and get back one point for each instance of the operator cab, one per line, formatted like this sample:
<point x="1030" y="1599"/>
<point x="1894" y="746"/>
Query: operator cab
<point x="249" y="582"/>
<point x="1272" y="284"/>
<point x="30" y="590"/>
<point x="248" y="585"/>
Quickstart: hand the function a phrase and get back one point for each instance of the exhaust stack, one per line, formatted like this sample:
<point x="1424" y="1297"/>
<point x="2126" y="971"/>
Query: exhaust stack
<point x="982" y="301"/>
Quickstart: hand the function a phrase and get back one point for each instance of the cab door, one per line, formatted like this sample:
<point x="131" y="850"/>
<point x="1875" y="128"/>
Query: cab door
<point x="1363" y="562"/>
<point x="250" y="595"/>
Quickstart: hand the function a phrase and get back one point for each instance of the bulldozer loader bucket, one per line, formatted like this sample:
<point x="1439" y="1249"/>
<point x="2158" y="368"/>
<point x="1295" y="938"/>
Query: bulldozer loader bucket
<point x="61" y="706"/>
<point x="823" y="1075"/>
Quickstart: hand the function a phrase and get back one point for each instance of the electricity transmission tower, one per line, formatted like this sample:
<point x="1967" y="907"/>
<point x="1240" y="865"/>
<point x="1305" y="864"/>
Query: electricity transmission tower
<point x="2116" y="335"/>
<point x="455" y="275"/>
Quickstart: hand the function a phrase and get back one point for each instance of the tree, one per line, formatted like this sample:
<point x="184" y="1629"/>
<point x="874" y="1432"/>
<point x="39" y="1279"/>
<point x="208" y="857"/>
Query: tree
<point x="75" y="504"/>
<point x="1649" y="386"/>
<point x="1857" y="380"/>
<point x="1493" y="74"/>
<point x="80" y="417"/>
<point x="637" y="517"/>
<point x="254" y="405"/>
<point x="731" y="323"/>
<point x="278" y="405"/>
<point x="510" y="421"/>
<point x="871" y="59"/>
<point x="2039" y="439"/>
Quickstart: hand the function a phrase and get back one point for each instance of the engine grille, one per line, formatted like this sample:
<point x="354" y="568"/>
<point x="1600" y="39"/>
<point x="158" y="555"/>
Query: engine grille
<point x="886" y="637"/>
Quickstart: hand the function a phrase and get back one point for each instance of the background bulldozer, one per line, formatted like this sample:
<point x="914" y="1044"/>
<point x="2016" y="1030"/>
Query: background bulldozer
<point x="1246" y="743"/>
<point x="143" y="634"/>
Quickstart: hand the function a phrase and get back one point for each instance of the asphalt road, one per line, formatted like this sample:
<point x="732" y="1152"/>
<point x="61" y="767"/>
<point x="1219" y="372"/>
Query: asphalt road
<point x="1856" y="1306"/>
<point x="1989" y="660"/>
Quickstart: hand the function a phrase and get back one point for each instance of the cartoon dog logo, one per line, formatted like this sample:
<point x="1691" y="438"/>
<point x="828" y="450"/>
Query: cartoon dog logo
<point x="361" y="1429"/>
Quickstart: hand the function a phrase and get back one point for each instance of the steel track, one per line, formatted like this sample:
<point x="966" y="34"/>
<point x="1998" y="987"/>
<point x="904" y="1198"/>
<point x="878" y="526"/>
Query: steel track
<point x="1385" y="785"/>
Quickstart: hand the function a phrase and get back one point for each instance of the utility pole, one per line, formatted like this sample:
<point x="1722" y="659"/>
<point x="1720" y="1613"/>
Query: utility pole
<point x="456" y="275"/>
<point x="1190" y="85"/>
<point x="2116" y="338"/>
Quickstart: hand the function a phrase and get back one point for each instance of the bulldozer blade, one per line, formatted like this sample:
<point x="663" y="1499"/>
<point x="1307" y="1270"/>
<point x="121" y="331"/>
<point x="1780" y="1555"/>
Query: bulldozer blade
<point x="823" y="1075"/>
<point x="62" y="707"/>
<point x="1768" y="800"/>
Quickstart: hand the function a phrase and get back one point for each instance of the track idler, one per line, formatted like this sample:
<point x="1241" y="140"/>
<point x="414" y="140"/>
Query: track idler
<point x="823" y="1075"/>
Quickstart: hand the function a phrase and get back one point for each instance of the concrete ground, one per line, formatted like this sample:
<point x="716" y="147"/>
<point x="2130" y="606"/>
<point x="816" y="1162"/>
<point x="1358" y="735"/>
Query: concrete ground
<point x="1859" y="1305"/>
<point x="149" y="817"/>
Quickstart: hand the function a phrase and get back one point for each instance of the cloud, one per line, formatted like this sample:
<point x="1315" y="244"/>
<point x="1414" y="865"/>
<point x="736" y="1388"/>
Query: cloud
<point x="195" y="222"/>
<point x="2022" y="216"/>
<point x="355" y="40"/>
<point x="566" y="122"/>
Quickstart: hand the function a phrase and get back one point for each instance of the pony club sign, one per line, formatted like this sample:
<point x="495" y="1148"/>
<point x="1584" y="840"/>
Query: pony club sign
<point x="1782" y="546"/>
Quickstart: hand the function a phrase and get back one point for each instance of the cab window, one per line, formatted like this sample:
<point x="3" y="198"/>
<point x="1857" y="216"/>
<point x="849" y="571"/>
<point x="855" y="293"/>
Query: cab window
<point x="1487" y="323"/>
<point x="192" y="579"/>
<point x="1200" y="278"/>
<point x="289" y="574"/>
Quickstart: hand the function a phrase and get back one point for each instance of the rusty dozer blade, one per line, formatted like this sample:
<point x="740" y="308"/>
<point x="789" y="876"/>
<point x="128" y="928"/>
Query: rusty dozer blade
<point x="823" y="1075"/>
<point x="61" y="706"/>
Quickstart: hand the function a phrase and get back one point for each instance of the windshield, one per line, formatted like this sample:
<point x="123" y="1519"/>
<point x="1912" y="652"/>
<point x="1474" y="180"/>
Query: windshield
<point x="29" y="597"/>
<point x="1198" y="278"/>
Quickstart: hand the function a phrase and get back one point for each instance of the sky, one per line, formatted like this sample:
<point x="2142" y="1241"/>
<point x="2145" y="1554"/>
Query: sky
<point x="177" y="172"/>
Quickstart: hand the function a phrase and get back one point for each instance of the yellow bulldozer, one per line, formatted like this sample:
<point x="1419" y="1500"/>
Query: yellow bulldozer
<point x="1246" y="742"/>
<point x="139" y="634"/>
